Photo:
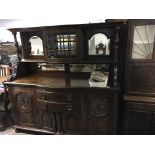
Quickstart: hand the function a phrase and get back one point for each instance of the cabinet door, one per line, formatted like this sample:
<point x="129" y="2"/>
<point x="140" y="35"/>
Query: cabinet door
<point x="72" y="119"/>
<point x="152" y="129"/>
<point x="137" y="122"/>
<point x="23" y="107"/>
<point x="47" y="120"/>
<point x="63" y="45"/>
<point x="100" y="113"/>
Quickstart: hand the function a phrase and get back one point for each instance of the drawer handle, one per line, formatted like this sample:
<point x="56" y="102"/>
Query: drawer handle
<point x="43" y="96"/>
<point x="138" y="106"/>
<point x="68" y="97"/>
<point x="44" y="105"/>
<point x="69" y="107"/>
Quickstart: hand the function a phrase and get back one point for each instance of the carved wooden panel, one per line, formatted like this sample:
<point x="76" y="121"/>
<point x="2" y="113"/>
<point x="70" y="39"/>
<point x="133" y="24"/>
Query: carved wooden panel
<point x="137" y="122"/>
<point x="26" y="119"/>
<point x="98" y="106"/>
<point x="101" y="113"/>
<point x="71" y="122"/>
<point x="142" y="78"/>
<point x="152" y="130"/>
<point x="23" y="106"/>
<point x="47" y="120"/>
<point x="24" y="100"/>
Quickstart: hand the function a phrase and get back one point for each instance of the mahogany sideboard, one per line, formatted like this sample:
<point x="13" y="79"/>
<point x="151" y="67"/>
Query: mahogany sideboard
<point x="51" y="91"/>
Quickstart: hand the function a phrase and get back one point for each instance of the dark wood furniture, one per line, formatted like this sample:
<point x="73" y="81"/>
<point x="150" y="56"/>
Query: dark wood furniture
<point x="139" y="84"/>
<point x="62" y="102"/>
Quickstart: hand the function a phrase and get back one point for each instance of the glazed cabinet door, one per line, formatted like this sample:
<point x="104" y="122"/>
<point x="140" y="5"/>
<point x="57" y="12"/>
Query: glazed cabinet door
<point x="63" y="44"/>
<point x="23" y="106"/>
<point x="100" y="113"/>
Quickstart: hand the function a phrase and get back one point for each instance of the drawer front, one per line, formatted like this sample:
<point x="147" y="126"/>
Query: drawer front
<point x="58" y="97"/>
<point x="140" y="106"/>
<point x="56" y="107"/>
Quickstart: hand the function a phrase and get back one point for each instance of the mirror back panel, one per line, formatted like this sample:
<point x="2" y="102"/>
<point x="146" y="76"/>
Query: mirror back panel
<point x="32" y="45"/>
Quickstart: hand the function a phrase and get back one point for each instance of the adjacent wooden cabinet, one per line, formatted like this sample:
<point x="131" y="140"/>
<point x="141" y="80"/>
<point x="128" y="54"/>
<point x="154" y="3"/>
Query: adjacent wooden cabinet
<point x="139" y="118"/>
<point x="139" y="90"/>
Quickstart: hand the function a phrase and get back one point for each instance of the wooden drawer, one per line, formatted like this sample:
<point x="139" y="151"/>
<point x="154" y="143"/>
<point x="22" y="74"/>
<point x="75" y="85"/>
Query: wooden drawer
<point x="57" y="107"/>
<point x="140" y="106"/>
<point x="58" y="97"/>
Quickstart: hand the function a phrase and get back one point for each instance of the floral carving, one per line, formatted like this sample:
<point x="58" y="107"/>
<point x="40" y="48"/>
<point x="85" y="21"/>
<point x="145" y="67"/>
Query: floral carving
<point x="24" y="100"/>
<point x="98" y="106"/>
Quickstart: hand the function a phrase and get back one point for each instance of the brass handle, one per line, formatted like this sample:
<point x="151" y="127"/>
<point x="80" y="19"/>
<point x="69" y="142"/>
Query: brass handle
<point x="69" y="97"/>
<point x="43" y="96"/>
<point x="138" y="106"/>
<point x="44" y="105"/>
<point x="69" y="107"/>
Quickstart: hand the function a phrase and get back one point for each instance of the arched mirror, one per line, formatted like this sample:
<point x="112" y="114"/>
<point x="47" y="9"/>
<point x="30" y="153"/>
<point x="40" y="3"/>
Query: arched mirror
<point x="99" y="44"/>
<point x="36" y="45"/>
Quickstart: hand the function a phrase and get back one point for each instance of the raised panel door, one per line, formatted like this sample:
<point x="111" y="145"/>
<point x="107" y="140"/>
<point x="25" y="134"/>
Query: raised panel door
<point x="23" y="107"/>
<point x="137" y="122"/>
<point x="100" y="113"/>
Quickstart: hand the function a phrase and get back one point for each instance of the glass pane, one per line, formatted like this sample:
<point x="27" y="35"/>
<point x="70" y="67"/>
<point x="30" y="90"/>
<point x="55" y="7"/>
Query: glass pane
<point x="143" y="42"/>
<point x="99" y="45"/>
<point x="62" y="45"/>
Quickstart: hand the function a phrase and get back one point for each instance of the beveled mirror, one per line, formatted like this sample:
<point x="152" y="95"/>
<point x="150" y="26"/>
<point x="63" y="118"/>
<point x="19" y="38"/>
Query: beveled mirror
<point x="99" y="44"/>
<point x="36" y="45"/>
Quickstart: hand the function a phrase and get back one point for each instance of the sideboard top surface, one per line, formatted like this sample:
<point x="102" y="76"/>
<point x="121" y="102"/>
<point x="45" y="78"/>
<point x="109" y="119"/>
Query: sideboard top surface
<point x="56" y="80"/>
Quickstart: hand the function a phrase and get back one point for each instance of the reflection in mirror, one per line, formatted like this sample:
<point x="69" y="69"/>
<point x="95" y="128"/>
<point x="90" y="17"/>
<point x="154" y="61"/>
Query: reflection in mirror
<point x="99" y="45"/>
<point x="82" y="67"/>
<point x="89" y="67"/>
<point x="50" y="67"/>
<point x="143" y="42"/>
<point x="36" y="45"/>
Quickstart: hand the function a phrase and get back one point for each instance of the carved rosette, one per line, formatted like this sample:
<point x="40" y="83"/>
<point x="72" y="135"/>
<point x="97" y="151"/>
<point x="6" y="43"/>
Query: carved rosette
<point x="98" y="106"/>
<point x="24" y="100"/>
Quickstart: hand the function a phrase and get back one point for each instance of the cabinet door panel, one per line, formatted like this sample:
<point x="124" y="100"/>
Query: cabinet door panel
<point x="23" y="107"/>
<point x="23" y="118"/>
<point x="47" y="120"/>
<point x="142" y="78"/>
<point x="101" y="113"/>
<point x="138" y="122"/>
<point x="72" y="121"/>
<point x="152" y="129"/>
<point x="63" y="45"/>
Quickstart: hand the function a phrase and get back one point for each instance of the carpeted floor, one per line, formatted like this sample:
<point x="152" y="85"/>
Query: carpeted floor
<point x="11" y="131"/>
